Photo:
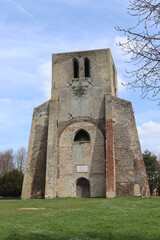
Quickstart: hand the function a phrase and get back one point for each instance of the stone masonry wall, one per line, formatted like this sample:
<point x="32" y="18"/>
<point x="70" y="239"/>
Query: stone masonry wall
<point x="113" y="157"/>
<point x="101" y="70"/>
<point x="82" y="97"/>
<point x="129" y="165"/>
<point x="52" y="150"/>
<point x="35" y="170"/>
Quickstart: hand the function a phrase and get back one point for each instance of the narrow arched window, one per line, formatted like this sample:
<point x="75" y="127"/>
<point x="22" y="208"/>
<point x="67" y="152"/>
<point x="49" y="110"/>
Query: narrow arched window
<point x="87" y="67"/>
<point x="82" y="136"/>
<point x="76" y="68"/>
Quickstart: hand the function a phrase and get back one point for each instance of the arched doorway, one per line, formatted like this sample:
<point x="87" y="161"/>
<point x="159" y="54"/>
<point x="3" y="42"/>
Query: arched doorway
<point x="83" y="188"/>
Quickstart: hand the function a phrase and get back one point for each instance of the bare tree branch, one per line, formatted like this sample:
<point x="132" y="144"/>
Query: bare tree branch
<point x="6" y="162"/>
<point x="20" y="158"/>
<point x="143" y="46"/>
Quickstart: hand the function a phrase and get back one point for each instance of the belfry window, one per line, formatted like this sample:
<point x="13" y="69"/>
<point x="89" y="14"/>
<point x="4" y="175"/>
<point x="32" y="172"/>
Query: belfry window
<point x="87" y="67"/>
<point x="76" y="68"/>
<point x="82" y="136"/>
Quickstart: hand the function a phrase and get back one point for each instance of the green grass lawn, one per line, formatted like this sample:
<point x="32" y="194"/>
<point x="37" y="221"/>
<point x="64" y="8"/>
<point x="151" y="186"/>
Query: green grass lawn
<point x="76" y="219"/>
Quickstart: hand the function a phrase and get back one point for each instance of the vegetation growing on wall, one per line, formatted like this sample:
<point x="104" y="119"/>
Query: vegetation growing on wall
<point x="79" y="91"/>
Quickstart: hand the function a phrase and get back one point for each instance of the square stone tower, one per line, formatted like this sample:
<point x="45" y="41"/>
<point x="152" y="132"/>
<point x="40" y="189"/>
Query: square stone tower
<point x="84" y="141"/>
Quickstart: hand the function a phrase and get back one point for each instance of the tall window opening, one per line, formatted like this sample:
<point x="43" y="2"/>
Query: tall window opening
<point x="76" y="68"/>
<point x="82" y="136"/>
<point x="87" y="67"/>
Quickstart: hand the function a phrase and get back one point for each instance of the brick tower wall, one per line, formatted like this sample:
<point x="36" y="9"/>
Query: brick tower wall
<point x="130" y="175"/>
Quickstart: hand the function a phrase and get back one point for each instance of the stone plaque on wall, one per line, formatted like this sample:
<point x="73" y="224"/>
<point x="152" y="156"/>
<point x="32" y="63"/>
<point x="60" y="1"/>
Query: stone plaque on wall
<point x="82" y="168"/>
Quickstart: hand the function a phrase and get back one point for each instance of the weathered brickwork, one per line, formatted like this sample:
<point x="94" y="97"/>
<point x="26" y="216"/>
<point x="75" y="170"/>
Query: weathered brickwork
<point x="129" y="166"/>
<point x="110" y="160"/>
<point x="72" y="154"/>
<point x="84" y="141"/>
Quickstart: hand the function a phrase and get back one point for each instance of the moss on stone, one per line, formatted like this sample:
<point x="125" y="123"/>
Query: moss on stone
<point x="79" y="91"/>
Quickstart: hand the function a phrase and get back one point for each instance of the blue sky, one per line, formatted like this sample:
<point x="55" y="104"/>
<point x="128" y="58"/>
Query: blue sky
<point x="30" y="31"/>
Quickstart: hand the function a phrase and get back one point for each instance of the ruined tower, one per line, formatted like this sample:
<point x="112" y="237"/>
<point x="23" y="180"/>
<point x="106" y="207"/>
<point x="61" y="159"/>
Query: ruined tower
<point x="84" y="141"/>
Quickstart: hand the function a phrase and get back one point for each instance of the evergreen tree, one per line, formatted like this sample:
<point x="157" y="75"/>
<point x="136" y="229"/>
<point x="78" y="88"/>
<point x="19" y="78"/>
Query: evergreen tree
<point x="153" y="170"/>
<point x="11" y="184"/>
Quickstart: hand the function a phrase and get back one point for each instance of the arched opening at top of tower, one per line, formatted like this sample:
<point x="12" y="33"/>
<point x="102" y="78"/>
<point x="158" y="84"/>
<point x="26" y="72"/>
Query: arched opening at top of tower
<point x="87" y="67"/>
<point x="76" y="68"/>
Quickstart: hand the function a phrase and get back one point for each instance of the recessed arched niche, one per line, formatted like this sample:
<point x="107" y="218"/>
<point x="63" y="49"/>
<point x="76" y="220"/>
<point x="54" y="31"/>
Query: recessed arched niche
<point x="82" y="136"/>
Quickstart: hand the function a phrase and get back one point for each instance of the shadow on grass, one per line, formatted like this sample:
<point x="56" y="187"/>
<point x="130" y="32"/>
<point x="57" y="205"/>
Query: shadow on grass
<point x="10" y="198"/>
<point x="84" y="236"/>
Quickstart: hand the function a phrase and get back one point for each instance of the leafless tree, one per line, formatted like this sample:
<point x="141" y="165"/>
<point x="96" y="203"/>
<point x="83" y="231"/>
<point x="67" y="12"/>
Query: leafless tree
<point x="143" y="46"/>
<point x="6" y="162"/>
<point x="20" y="158"/>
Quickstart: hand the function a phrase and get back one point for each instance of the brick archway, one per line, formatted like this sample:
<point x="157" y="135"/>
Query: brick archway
<point x="83" y="188"/>
<point x="84" y="158"/>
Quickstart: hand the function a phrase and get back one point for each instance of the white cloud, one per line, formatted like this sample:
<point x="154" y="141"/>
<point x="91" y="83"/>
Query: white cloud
<point x="146" y="142"/>
<point x="15" y="121"/>
<point x="90" y="3"/>
<point x="74" y="2"/>
<point x="14" y="53"/>
<point x="147" y="115"/>
<point x="121" y="81"/>
<point x="126" y="54"/>
<point x="23" y="10"/>
<point x="119" y="39"/>
<point x="149" y="128"/>
<point x="99" y="43"/>
<point x="119" y="52"/>
<point x="5" y="100"/>
<point x="149" y="133"/>
<point x="82" y="44"/>
<point x="152" y="145"/>
<point x="8" y="104"/>
<point x="44" y="71"/>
